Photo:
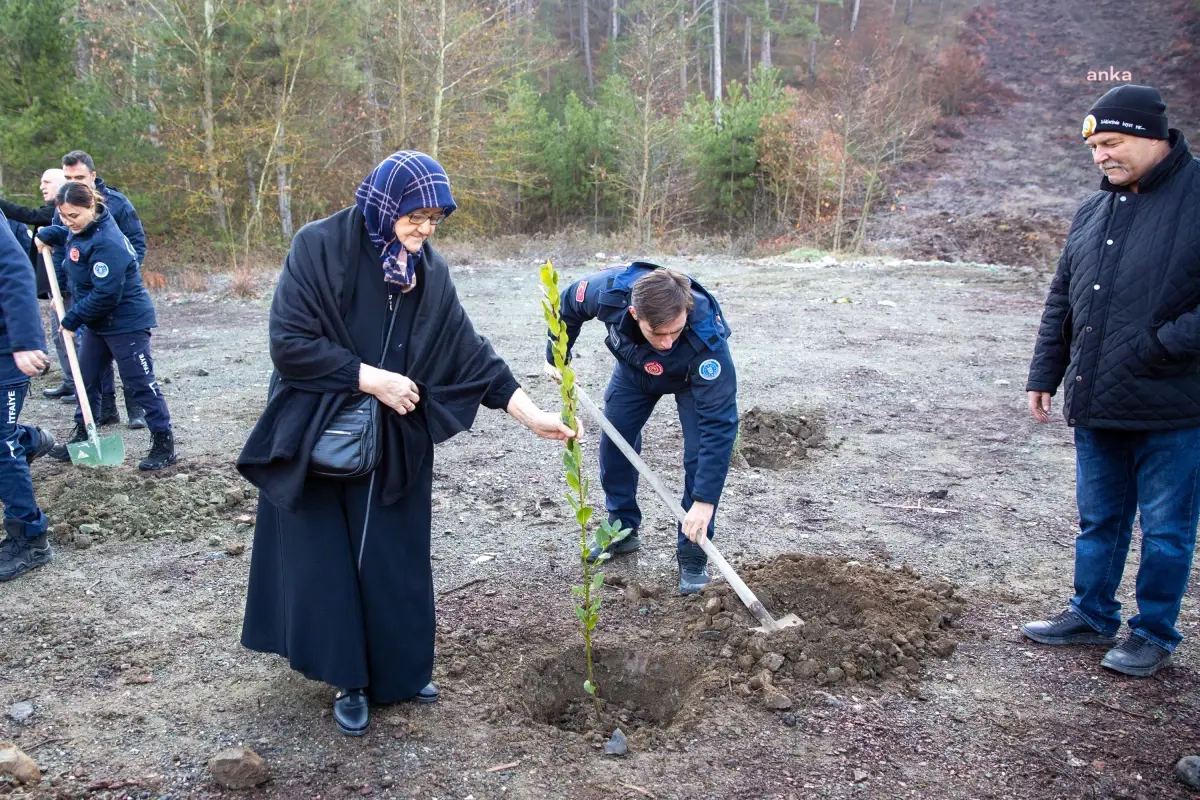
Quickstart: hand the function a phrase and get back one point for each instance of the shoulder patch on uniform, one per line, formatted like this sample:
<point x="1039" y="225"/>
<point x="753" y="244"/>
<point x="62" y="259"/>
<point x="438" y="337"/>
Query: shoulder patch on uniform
<point x="581" y="291"/>
<point x="74" y="253"/>
<point x="710" y="370"/>
<point x="100" y="269"/>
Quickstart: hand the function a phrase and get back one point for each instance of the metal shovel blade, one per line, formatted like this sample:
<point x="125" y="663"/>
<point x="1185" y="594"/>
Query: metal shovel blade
<point x="784" y="622"/>
<point x="98" y="452"/>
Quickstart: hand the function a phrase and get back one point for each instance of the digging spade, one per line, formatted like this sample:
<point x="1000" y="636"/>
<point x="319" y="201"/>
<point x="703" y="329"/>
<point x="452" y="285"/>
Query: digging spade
<point x="95" y="452"/>
<point x="768" y="624"/>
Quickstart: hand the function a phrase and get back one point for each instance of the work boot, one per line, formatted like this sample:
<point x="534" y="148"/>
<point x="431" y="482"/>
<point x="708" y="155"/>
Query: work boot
<point x="1066" y="628"/>
<point x="137" y="417"/>
<point x="1138" y="657"/>
<point x="60" y="392"/>
<point x="59" y="452"/>
<point x="44" y="444"/>
<point x="629" y="544"/>
<point x="20" y="553"/>
<point x="693" y="577"/>
<point x="162" y="451"/>
<point x="351" y="713"/>
<point x="108" y="411"/>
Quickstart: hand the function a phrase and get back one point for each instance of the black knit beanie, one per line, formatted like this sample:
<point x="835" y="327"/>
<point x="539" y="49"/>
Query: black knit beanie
<point x="1135" y="110"/>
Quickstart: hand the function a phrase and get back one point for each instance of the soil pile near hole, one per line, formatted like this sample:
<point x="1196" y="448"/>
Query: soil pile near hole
<point x="990" y="238"/>
<point x="122" y="503"/>
<point x="648" y="689"/>
<point x="862" y="624"/>
<point x="777" y="440"/>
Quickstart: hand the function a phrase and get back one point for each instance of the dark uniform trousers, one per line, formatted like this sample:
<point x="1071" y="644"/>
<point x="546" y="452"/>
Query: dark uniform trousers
<point x="16" y="484"/>
<point x="628" y="402"/>
<point x="107" y="386"/>
<point x="132" y="354"/>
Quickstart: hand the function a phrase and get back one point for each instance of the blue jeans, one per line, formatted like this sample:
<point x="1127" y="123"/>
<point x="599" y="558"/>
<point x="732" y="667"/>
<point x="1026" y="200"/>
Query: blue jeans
<point x="16" y="484"/>
<point x="627" y="405"/>
<point x="1118" y="473"/>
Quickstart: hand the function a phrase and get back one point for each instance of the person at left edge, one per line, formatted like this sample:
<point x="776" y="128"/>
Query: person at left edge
<point x="115" y="308"/>
<point x="341" y="582"/>
<point x="669" y="337"/>
<point x="22" y="343"/>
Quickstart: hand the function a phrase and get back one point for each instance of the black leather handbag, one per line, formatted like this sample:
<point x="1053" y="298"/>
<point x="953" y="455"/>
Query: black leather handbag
<point x="350" y="446"/>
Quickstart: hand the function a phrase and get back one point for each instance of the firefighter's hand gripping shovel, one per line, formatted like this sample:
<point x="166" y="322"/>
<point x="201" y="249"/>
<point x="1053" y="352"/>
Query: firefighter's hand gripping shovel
<point x="768" y="624"/>
<point x="95" y="452"/>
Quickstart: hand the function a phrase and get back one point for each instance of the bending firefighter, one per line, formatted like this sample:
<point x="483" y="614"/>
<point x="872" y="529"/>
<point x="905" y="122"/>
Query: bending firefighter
<point x="110" y="300"/>
<point x="669" y="337"/>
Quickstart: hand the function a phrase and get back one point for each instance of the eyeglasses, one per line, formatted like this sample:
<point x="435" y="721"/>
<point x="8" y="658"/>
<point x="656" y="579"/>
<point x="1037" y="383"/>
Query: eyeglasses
<point x="417" y="218"/>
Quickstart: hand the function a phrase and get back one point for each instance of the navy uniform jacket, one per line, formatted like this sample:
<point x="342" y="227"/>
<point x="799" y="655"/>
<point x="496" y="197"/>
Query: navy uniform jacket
<point x="20" y="322"/>
<point x="102" y="270"/>
<point x="126" y="217"/>
<point x="699" y="359"/>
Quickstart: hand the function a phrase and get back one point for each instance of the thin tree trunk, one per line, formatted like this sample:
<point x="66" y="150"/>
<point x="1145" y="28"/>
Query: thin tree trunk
<point x="402" y="83"/>
<point x="439" y="82"/>
<point x="615" y="30"/>
<point x="285" y="195"/>
<point x="570" y="22"/>
<point x="372" y="96"/>
<point x="585" y="41"/>
<point x="717" y="82"/>
<point x="837" y="227"/>
<point x="250" y="182"/>
<point x="133" y="75"/>
<point x="854" y="15"/>
<point x="746" y="45"/>
<point x="643" y="212"/>
<point x="764" y="47"/>
<point x="683" y="61"/>
<point x="83" y="52"/>
<point x="908" y="13"/>
<point x="893" y="8"/>
<point x="812" y="47"/>
<point x="208" y="121"/>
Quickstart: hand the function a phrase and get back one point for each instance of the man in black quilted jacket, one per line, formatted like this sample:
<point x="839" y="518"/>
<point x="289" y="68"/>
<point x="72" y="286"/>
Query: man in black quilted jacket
<point x="1121" y="329"/>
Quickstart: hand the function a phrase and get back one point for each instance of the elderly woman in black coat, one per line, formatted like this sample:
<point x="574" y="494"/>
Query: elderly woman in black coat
<point x="341" y="581"/>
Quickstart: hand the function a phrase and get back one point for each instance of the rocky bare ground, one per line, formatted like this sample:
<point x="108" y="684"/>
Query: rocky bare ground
<point x="926" y="515"/>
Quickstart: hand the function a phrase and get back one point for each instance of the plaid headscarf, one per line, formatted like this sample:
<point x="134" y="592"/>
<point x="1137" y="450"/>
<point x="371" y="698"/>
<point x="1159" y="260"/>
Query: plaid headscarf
<point x="405" y="182"/>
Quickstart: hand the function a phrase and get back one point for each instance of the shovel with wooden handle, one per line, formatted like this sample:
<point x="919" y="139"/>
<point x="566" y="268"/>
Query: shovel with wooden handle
<point x="768" y="624"/>
<point x="95" y="452"/>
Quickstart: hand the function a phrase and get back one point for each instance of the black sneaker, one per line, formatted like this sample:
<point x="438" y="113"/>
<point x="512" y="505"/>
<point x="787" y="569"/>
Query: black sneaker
<point x="1067" y="628"/>
<point x="108" y="411"/>
<point x="64" y="389"/>
<point x="1138" y="657"/>
<point x="692" y="577"/>
<point x="20" y="553"/>
<point x="45" y="443"/>
<point x="137" y="417"/>
<point x="630" y="544"/>
<point x="162" y="451"/>
<point x="59" y="452"/>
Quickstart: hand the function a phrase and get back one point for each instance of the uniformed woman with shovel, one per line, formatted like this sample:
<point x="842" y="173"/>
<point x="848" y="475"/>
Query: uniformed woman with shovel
<point x="115" y="308"/>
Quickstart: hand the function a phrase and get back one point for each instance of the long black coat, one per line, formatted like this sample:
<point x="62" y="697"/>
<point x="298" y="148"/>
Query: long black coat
<point x="1122" y="320"/>
<point x="370" y="626"/>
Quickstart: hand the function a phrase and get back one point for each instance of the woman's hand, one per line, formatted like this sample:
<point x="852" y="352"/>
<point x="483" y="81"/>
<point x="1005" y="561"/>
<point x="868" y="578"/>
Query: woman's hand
<point x="394" y="390"/>
<point x="543" y="423"/>
<point x="41" y="246"/>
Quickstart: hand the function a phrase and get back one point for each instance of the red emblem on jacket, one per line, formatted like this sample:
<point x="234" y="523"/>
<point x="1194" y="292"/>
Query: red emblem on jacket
<point x="580" y="291"/>
<point x="74" y="253"/>
<point x="654" y="368"/>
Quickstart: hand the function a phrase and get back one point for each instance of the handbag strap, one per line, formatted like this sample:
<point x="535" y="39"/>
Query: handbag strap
<point x="387" y="341"/>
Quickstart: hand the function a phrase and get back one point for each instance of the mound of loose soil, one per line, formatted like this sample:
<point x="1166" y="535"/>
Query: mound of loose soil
<point x="122" y="503"/>
<point x="861" y="624"/>
<point x="776" y="440"/>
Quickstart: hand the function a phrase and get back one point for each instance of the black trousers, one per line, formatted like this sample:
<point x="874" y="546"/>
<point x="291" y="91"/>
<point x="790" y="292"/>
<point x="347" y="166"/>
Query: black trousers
<point x="309" y="602"/>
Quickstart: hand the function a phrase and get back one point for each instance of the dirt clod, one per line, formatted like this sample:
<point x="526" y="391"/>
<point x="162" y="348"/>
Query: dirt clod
<point x="238" y="768"/>
<point x="776" y="440"/>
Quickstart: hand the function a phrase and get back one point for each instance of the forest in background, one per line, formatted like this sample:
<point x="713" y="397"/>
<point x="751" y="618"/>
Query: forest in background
<point x="237" y="121"/>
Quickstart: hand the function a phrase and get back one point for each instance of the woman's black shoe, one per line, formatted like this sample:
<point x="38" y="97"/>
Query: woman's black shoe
<point x="350" y="712"/>
<point x="427" y="695"/>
